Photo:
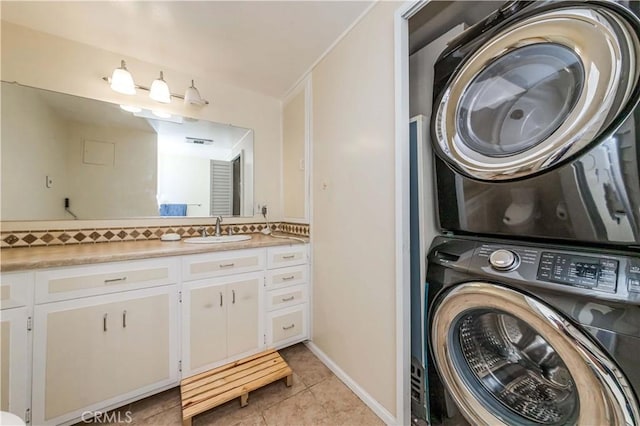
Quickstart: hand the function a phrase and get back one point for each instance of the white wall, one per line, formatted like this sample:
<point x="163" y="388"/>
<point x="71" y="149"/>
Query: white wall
<point x="32" y="131"/>
<point x="126" y="187"/>
<point x="354" y="205"/>
<point x="41" y="60"/>
<point x="177" y="178"/>
<point x="293" y="146"/>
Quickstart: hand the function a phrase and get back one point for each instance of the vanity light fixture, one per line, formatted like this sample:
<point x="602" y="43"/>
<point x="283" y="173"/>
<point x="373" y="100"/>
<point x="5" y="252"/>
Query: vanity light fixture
<point x="160" y="90"/>
<point x="121" y="81"/>
<point x="192" y="96"/>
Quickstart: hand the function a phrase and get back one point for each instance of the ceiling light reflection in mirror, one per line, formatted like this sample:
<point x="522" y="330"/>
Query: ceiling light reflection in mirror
<point x="117" y="162"/>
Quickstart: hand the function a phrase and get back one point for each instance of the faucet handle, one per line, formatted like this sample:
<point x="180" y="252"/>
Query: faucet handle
<point x="230" y="229"/>
<point x="203" y="231"/>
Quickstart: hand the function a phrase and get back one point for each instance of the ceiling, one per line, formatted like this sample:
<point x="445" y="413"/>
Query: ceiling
<point x="264" y="46"/>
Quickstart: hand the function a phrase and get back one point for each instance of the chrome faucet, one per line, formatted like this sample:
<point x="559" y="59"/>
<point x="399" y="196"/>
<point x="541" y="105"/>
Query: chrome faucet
<point x="218" y="220"/>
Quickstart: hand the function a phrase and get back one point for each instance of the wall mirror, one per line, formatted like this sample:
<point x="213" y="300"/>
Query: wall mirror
<point x="64" y="155"/>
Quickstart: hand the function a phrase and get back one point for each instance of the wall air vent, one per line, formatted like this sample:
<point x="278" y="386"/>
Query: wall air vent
<point x="198" y="141"/>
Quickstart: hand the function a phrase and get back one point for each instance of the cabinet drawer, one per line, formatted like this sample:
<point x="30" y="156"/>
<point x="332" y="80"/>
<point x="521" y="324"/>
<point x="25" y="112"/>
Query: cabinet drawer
<point x="277" y="278"/>
<point x="16" y="289"/>
<point x="286" y="326"/>
<point x="70" y="283"/>
<point x="285" y="297"/>
<point x="223" y="263"/>
<point x="279" y="257"/>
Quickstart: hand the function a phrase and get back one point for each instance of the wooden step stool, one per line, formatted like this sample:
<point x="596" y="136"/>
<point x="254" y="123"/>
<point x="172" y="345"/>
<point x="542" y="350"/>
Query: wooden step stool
<point x="207" y="390"/>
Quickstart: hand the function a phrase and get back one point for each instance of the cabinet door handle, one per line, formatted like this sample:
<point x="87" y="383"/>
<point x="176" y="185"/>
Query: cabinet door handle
<point x="289" y="256"/>
<point x="226" y="265"/>
<point x="233" y="294"/>
<point x="104" y="322"/>
<point x="220" y="298"/>
<point x="288" y="328"/>
<point x="115" y="280"/>
<point x="288" y="299"/>
<point x="124" y="319"/>
<point x="290" y="277"/>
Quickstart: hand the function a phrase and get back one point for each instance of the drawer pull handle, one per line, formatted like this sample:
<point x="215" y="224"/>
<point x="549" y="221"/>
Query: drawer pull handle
<point x="289" y="256"/>
<point x="288" y="328"/>
<point x="233" y="293"/>
<point x="104" y="322"/>
<point x="220" y="298"/>
<point x="115" y="280"/>
<point x="290" y="277"/>
<point x="288" y="299"/>
<point x="124" y="319"/>
<point x="226" y="265"/>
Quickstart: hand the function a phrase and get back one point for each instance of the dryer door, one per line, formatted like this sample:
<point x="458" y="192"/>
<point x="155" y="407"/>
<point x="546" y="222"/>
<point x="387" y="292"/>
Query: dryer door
<point x="507" y="358"/>
<point x="539" y="92"/>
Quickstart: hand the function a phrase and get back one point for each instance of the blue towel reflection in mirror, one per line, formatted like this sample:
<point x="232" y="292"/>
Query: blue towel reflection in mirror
<point x="173" y="209"/>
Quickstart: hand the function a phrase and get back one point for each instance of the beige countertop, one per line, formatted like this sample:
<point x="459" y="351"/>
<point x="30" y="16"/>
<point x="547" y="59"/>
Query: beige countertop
<point x="24" y="258"/>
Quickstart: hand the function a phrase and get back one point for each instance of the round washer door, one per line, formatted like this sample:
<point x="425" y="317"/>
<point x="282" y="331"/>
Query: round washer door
<point x="539" y="92"/>
<point x="509" y="359"/>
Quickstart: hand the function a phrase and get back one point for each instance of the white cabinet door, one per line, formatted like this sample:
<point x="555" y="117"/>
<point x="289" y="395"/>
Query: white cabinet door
<point x="14" y="379"/>
<point x="204" y="331"/>
<point x="220" y="320"/>
<point x="242" y="316"/>
<point x="93" y="352"/>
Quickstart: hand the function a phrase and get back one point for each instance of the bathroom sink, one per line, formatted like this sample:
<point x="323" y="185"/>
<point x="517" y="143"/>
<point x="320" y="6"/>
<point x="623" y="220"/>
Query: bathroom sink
<point x="213" y="239"/>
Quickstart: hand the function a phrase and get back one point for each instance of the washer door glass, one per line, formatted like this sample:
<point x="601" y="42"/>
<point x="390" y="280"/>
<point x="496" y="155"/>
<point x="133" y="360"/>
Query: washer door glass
<point x="515" y="366"/>
<point x="520" y="99"/>
<point x="540" y="92"/>
<point x="507" y="358"/>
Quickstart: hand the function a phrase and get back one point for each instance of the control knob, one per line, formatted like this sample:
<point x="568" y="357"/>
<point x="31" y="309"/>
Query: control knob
<point x="503" y="260"/>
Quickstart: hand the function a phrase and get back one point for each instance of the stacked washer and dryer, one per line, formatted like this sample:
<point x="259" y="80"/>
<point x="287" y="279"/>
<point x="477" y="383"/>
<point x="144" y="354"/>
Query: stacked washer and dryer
<point x="534" y="288"/>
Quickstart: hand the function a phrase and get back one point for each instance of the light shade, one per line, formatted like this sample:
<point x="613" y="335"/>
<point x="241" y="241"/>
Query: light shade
<point x="192" y="96"/>
<point x="122" y="81"/>
<point x="160" y="90"/>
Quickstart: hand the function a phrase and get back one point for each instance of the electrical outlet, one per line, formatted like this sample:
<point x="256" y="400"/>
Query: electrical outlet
<point x="49" y="182"/>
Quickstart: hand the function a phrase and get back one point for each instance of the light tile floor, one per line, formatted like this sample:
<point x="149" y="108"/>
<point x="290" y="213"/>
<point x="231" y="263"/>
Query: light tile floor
<point x="317" y="397"/>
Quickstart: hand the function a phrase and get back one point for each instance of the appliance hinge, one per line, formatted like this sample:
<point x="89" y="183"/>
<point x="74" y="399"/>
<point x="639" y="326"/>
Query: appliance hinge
<point x="179" y="297"/>
<point x="29" y="323"/>
<point x="27" y="415"/>
<point x="264" y="281"/>
<point x="264" y="339"/>
<point x="180" y="366"/>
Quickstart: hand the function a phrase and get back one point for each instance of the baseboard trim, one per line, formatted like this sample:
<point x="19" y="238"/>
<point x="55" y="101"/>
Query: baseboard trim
<point x="375" y="406"/>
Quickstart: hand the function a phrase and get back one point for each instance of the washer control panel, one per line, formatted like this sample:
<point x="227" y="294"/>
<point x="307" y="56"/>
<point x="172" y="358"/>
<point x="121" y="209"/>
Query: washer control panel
<point x="579" y="271"/>
<point x="615" y="274"/>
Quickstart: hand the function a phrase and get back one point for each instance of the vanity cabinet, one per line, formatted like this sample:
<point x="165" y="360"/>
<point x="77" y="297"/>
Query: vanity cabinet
<point x="15" y="324"/>
<point x="97" y="351"/>
<point x="90" y="338"/>
<point x="220" y="321"/>
<point x="221" y="314"/>
<point x="287" y="295"/>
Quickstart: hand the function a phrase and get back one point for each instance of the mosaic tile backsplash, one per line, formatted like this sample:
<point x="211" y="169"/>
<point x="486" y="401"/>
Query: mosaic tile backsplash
<point x="111" y="235"/>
